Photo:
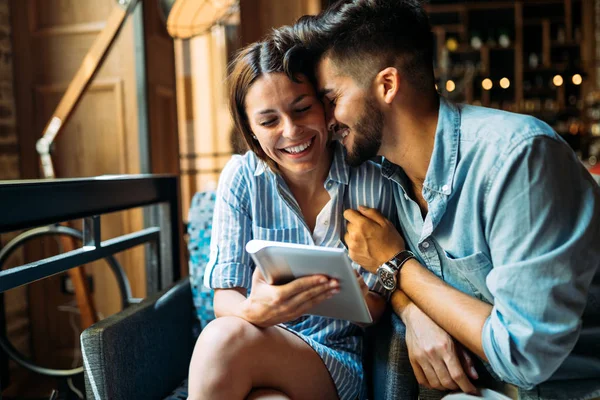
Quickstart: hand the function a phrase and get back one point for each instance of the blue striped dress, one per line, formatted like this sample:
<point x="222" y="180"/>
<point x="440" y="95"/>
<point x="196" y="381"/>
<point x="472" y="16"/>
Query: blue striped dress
<point x="253" y="202"/>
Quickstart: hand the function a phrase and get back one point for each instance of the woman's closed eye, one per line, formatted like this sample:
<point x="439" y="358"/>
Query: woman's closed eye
<point x="268" y="123"/>
<point x="304" y="109"/>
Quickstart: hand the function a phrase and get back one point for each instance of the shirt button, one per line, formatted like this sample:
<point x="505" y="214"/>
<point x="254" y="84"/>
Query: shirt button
<point x="406" y="196"/>
<point x="326" y="223"/>
<point x="425" y="245"/>
<point x="329" y="185"/>
<point x="446" y="189"/>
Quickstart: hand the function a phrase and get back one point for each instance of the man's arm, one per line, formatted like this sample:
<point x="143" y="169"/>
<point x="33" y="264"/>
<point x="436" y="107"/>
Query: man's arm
<point x="373" y="240"/>
<point x="438" y="362"/>
<point x="543" y="228"/>
<point x="459" y="314"/>
<point x="542" y="213"/>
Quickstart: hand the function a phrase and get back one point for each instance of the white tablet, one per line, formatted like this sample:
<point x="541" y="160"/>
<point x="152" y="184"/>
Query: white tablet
<point x="283" y="262"/>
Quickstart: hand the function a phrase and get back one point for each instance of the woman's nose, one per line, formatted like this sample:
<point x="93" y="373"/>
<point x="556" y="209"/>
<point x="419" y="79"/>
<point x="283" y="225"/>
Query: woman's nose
<point x="292" y="129"/>
<point x="329" y="117"/>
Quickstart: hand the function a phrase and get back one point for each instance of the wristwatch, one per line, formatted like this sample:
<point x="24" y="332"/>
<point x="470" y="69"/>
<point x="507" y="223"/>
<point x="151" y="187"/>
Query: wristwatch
<point x="388" y="270"/>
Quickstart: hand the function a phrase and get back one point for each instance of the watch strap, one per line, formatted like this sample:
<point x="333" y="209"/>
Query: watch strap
<point x="400" y="259"/>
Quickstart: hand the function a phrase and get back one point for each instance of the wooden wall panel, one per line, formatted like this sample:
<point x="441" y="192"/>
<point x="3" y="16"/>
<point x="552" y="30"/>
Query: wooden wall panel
<point x="57" y="14"/>
<point x="93" y="141"/>
<point x="164" y="119"/>
<point x="258" y="17"/>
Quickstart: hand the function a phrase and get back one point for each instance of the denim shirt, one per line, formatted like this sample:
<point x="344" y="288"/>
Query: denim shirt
<point x="514" y="220"/>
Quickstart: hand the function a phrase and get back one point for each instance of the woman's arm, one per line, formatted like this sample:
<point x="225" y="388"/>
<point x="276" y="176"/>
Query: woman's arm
<point x="228" y="301"/>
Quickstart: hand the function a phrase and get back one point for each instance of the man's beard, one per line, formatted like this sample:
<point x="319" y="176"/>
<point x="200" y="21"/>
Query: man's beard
<point x="367" y="134"/>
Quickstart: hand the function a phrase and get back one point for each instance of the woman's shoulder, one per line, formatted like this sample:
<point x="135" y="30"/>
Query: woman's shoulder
<point x="369" y="168"/>
<point x="239" y="165"/>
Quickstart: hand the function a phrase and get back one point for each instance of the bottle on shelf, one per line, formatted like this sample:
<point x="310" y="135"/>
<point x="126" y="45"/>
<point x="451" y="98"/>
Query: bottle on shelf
<point x="452" y="43"/>
<point x="476" y="41"/>
<point x="504" y="39"/>
<point x="561" y="36"/>
<point x="533" y="61"/>
<point x="577" y="34"/>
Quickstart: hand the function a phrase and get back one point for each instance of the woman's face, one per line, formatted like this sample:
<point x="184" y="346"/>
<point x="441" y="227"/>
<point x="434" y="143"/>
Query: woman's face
<point x="288" y="121"/>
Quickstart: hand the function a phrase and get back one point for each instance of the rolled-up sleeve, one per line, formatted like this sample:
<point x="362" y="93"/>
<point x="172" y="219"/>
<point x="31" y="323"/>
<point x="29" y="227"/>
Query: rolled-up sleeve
<point x="543" y="229"/>
<point x="229" y="264"/>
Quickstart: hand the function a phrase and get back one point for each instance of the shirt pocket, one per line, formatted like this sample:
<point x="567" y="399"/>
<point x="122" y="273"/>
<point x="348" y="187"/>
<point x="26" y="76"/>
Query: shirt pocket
<point x="474" y="269"/>
<point x="287" y="235"/>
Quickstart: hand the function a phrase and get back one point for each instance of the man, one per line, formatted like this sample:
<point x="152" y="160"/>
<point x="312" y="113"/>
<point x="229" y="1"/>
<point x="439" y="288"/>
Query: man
<point x="503" y="220"/>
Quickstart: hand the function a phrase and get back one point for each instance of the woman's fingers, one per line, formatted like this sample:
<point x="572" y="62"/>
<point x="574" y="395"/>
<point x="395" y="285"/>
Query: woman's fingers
<point x="311" y="284"/>
<point x="282" y="303"/>
<point x="305" y="300"/>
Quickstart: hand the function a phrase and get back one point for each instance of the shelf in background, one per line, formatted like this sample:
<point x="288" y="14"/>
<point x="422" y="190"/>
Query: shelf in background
<point x="557" y="44"/>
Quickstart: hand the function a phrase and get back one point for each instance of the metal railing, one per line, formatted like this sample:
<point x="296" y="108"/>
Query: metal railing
<point x="31" y="204"/>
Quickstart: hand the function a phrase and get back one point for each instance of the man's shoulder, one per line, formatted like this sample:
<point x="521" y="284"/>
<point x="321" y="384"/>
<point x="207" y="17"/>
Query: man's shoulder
<point x="500" y="129"/>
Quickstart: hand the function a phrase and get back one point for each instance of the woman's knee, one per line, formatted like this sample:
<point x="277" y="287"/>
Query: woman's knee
<point x="227" y="336"/>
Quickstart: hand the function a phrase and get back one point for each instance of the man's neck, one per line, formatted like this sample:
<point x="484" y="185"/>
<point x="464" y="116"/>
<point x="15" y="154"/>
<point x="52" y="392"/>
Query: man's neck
<point x="410" y="138"/>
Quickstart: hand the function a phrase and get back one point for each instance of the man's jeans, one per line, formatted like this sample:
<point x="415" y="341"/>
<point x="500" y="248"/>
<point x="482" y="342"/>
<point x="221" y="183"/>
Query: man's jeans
<point x="388" y="372"/>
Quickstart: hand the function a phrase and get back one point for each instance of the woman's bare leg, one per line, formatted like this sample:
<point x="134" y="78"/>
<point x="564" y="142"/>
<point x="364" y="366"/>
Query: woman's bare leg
<point x="232" y="357"/>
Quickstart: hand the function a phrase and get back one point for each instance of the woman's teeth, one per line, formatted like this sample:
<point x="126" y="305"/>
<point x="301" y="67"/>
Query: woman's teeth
<point x="298" y="149"/>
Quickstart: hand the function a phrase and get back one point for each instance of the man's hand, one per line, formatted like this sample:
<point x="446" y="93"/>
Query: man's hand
<point x="438" y="361"/>
<point x="270" y="305"/>
<point x="371" y="238"/>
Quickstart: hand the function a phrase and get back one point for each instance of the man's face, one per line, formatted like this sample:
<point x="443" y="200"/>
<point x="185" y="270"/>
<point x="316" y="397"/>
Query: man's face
<point x="351" y="112"/>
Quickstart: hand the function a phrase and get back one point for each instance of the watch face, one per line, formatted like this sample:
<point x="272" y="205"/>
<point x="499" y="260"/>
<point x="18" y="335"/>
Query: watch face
<point x="387" y="277"/>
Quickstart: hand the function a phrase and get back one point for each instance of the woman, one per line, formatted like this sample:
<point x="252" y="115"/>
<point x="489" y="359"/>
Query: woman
<point x="293" y="185"/>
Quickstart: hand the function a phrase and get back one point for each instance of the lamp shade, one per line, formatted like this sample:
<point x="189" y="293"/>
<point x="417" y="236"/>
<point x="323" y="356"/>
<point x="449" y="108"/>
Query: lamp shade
<point x="188" y="18"/>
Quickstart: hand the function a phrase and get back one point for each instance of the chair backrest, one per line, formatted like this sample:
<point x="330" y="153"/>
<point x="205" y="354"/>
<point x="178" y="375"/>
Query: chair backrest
<point x="199" y="230"/>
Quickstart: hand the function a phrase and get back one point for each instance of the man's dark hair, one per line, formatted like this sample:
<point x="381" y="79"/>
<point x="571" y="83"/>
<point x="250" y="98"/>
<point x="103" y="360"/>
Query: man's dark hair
<point x="362" y="37"/>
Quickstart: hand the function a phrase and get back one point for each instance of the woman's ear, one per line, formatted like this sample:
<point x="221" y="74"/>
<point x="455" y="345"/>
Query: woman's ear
<point x="387" y="84"/>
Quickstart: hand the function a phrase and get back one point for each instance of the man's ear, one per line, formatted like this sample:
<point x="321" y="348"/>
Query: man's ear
<point x="387" y="84"/>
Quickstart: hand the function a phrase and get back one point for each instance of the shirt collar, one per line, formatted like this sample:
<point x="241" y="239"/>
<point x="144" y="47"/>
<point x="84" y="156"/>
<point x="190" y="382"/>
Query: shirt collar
<point x="339" y="171"/>
<point x="442" y="166"/>
<point x="261" y="167"/>
<point x="440" y="173"/>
